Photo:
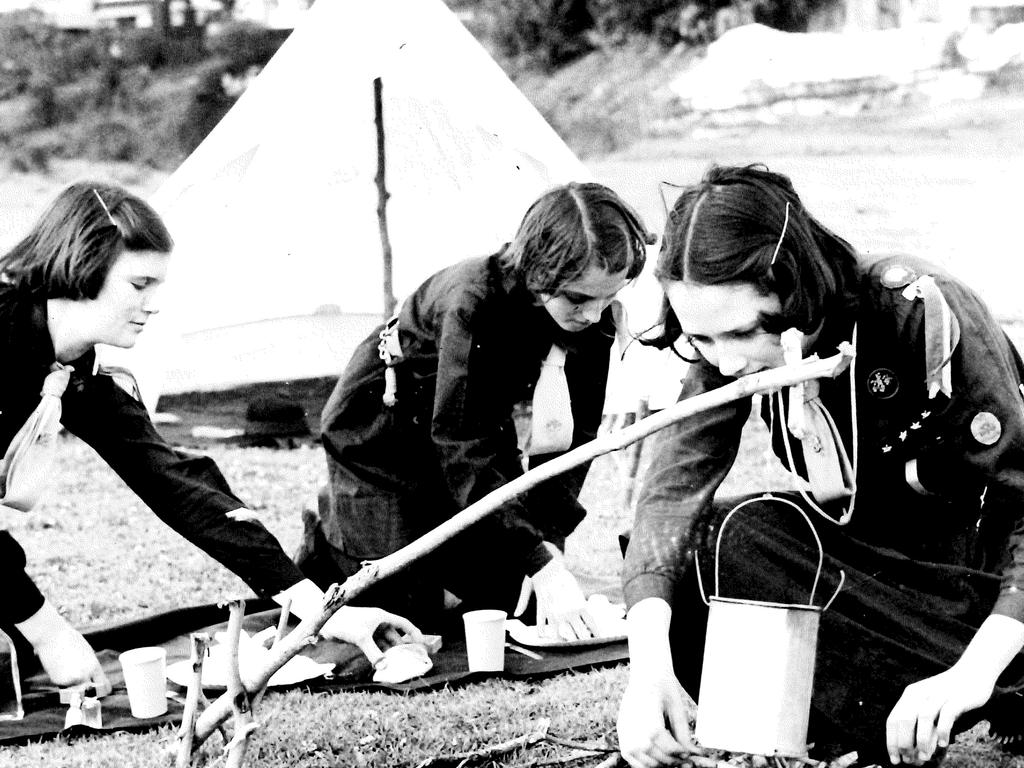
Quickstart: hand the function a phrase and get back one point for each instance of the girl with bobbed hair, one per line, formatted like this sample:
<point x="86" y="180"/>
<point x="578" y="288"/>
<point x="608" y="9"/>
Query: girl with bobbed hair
<point x="88" y="273"/>
<point x="910" y="465"/>
<point x="422" y="421"/>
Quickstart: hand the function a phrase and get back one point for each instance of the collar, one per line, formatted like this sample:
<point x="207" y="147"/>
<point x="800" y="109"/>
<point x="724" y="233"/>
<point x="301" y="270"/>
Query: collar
<point x="37" y="346"/>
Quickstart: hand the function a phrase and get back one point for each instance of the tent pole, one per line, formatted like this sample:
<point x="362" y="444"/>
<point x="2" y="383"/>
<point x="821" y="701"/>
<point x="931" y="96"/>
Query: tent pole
<point x="382" y="197"/>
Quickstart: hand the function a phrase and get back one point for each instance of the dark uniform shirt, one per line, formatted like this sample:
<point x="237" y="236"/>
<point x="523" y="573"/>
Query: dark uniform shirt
<point x="186" y="492"/>
<point x="961" y="502"/>
<point x="472" y="345"/>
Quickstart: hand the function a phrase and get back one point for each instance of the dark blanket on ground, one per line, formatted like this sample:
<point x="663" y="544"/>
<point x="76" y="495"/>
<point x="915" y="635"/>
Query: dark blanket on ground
<point x="44" y="714"/>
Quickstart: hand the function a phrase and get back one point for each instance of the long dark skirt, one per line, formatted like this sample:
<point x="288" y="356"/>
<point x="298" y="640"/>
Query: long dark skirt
<point x="896" y="620"/>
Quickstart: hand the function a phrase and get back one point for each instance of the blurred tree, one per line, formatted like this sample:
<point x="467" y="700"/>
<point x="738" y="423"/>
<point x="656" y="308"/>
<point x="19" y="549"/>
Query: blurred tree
<point x="162" y="16"/>
<point x="654" y="18"/>
<point x="552" y="32"/>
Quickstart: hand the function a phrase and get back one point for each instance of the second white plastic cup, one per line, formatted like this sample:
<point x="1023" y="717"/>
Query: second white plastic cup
<point x="146" y="680"/>
<point x="485" y="640"/>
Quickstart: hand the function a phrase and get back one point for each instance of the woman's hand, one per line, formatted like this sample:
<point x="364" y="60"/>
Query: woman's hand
<point x="653" y="726"/>
<point x="923" y="718"/>
<point x="561" y="606"/>
<point x="366" y="628"/>
<point x="65" y="655"/>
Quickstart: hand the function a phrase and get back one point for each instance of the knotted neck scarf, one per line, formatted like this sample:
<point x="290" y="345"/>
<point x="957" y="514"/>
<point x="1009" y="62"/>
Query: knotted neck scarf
<point x="27" y="465"/>
<point x="831" y="474"/>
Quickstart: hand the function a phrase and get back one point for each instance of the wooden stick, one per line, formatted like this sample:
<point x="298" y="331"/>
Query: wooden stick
<point x="282" y="627"/>
<point x="382" y="197"/>
<point x="200" y="641"/>
<point x="764" y="381"/>
<point x="496" y="750"/>
<point x="240" y="702"/>
<point x="282" y="621"/>
<point x="372" y="572"/>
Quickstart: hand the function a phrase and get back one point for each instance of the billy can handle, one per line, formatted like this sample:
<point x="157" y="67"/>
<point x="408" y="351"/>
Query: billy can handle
<point x="817" y="540"/>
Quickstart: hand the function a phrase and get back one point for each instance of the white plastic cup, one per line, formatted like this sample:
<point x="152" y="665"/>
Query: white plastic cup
<point x="485" y="640"/>
<point x="146" y="680"/>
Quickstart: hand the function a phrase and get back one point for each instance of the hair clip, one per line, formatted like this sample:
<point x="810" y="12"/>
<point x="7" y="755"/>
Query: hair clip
<point x="785" y="226"/>
<point x="661" y="192"/>
<point x="105" y="209"/>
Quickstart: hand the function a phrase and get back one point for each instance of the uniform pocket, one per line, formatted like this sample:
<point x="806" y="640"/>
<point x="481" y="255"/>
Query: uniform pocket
<point x="363" y="522"/>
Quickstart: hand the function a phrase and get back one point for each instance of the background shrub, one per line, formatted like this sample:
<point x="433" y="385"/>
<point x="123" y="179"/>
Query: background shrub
<point x="44" y="108"/>
<point x="240" y="45"/>
<point x="552" y="32"/>
<point x="208" y="104"/>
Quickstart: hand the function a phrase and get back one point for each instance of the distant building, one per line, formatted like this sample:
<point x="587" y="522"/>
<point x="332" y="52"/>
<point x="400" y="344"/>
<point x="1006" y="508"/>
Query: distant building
<point x="92" y="14"/>
<point x="885" y="14"/>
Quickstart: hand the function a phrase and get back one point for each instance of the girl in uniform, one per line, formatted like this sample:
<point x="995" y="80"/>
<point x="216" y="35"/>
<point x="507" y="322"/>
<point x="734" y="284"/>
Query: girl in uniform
<point x="421" y="422"/>
<point x="87" y="274"/>
<point x="914" y="458"/>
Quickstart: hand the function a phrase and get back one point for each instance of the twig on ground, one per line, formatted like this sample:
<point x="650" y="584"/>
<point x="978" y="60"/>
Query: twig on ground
<point x="496" y="750"/>
<point x="612" y="761"/>
<point x="599" y="748"/>
<point x="572" y="757"/>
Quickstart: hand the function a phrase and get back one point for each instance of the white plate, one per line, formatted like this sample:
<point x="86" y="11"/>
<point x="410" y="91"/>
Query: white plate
<point x="529" y="635"/>
<point x="297" y="670"/>
<point x="251" y="654"/>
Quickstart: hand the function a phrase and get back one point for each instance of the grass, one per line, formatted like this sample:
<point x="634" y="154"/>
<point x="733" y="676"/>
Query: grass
<point x="91" y="531"/>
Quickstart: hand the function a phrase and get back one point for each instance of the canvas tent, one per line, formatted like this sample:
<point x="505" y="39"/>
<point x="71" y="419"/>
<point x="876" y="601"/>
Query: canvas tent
<point x="277" y="271"/>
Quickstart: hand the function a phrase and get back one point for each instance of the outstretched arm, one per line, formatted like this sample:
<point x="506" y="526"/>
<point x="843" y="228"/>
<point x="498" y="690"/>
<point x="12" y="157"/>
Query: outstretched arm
<point x="653" y="725"/>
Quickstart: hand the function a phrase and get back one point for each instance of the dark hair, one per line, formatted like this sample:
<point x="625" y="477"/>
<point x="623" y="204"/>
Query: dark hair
<point x="70" y="250"/>
<point x="571" y="228"/>
<point x="748" y="225"/>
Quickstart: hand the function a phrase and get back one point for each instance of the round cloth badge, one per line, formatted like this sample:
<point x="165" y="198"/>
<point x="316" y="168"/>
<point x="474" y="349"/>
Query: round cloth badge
<point x="985" y="428"/>
<point x="898" y="277"/>
<point x="882" y="383"/>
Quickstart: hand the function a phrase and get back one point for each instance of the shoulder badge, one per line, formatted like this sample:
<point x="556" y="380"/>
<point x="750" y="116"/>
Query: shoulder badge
<point x="898" y="276"/>
<point x="882" y="383"/>
<point x="985" y="428"/>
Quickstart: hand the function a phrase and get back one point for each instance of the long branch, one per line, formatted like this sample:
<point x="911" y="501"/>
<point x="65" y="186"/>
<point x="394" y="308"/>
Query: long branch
<point x="372" y="572"/>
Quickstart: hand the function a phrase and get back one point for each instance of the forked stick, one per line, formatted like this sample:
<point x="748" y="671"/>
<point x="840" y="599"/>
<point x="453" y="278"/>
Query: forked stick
<point x="239" y="695"/>
<point x="200" y="642"/>
<point x="372" y="572"/>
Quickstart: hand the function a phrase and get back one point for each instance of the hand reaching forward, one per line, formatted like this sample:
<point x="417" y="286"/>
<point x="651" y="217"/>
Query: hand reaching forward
<point x="561" y="607"/>
<point x="653" y="726"/>
<point x="65" y="655"/>
<point x="365" y="628"/>
<point x="923" y="718"/>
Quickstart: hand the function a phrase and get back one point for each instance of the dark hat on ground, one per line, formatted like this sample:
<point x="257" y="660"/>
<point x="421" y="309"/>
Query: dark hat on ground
<point x="275" y="417"/>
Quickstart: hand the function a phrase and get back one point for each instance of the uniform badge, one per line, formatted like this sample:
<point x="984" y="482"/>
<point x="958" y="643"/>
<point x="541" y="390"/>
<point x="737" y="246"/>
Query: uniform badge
<point x="882" y="383"/>
<point x="898" y="277"/>
<point x="985" y="428"/>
